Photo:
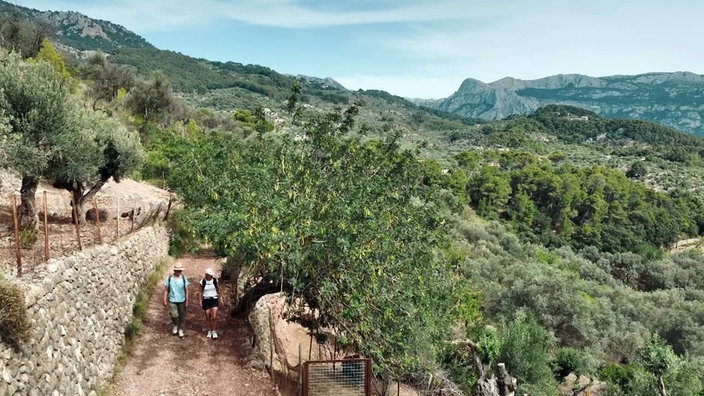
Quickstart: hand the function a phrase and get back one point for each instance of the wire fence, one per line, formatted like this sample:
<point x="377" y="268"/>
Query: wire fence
<point x="345" y="377"/>
<point x="107" y="219"/>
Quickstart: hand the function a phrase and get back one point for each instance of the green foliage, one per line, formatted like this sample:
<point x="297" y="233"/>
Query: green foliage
<point x="152" y="101"/>
<point x="14" y="323"/>
<point x="525" y="351"/>
<point x="657" y="357"/>
<point x="183" y="236"/>
<point x="489" y="343"/>
<point x="346" y="223"/>
<point x="637" y="170"/>
<point x="627" y="380"/>
<point x="569" y="360"/>
<point x="560" y="204"/>
<point x="20" y="35"/>
<point x="52" y="136"/>
<point x="47" y="53"/>
<point x="28" y="238"/>
<point x="106" y="80"/>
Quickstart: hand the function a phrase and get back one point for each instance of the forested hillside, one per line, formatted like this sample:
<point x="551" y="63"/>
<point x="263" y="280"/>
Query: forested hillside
<point x="673" y="99"/>
<point x="433" y="243"/>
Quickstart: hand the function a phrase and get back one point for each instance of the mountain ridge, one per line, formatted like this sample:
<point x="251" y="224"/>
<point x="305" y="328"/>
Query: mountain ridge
<point x="674" y="99"/>
<point x="77" y="30"/>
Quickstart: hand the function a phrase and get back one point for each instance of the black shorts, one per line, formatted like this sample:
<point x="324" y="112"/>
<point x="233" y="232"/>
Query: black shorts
<point x="210" y="303"/>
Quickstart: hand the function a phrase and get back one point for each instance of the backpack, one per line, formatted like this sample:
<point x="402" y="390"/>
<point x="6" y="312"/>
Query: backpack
<point x="184" y="283"/>
<point x="215" y="283"/>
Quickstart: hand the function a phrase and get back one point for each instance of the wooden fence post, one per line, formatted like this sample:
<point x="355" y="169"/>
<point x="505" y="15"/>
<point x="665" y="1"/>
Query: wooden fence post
<point x="76" y="222"/>
<point x="17" y="235"/>
<point x="46" y="230"/>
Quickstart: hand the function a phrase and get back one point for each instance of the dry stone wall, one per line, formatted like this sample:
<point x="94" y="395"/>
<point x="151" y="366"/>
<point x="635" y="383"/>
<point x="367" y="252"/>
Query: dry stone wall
<point x="79" y="306"/>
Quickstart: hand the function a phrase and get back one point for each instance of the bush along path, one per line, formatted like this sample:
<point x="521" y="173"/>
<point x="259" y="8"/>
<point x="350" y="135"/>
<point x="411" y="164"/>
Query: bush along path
<point x="163" y="364"/>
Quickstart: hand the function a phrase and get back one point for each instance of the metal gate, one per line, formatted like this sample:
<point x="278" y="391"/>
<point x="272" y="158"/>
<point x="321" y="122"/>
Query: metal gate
<point x="344" y="377"/>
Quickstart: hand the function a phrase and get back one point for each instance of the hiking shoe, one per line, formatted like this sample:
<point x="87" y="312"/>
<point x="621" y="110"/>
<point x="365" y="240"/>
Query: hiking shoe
<point x="180" y="333"/>
<point x="210" y="334"/>
<point x="214" y="334"/>
<point x="174" y="330"/>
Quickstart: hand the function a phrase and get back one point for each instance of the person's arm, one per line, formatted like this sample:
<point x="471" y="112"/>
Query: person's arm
<point x="187" y="283"/>
<point x="166" y="296"/>
<point x="217" y="290"/>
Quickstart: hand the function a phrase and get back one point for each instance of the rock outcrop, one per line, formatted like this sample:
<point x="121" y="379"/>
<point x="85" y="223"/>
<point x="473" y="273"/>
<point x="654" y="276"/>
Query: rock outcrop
<point x="282" y="344"/>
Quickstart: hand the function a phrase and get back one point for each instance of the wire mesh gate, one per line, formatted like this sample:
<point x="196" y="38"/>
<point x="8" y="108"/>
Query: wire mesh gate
<point x="345" y="377"/>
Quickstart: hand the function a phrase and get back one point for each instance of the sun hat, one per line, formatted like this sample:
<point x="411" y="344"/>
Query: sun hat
<point x="210" y="272"/>
<point x="178" y="267"/>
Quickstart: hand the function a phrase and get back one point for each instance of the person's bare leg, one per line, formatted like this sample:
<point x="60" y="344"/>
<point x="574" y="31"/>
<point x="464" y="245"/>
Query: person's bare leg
<point x="213" y="320"/>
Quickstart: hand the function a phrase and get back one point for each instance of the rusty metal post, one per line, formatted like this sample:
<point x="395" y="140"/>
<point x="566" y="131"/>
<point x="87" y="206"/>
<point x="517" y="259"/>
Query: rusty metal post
<point x="305" y="379"/>
<point x="97" y="221"/>
<point x="310" y="346"/>
<point x="77" y="223"/>
<point x="46" y="230"/>
<point x="368" y="377"/>
<point x="17" y="235"/>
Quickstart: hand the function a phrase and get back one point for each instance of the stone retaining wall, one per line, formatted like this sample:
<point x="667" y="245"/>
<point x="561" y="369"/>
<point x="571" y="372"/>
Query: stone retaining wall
<point x="79" y="306"/>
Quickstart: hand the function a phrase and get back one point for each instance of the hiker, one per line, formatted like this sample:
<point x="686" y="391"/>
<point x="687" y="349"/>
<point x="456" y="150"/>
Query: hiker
<point x="176" y="298"/>
<point x="210" y="291"/>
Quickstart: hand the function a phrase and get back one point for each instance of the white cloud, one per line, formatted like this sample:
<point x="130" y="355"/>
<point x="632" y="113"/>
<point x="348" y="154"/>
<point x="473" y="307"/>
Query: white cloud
<point x="164" y="15"/>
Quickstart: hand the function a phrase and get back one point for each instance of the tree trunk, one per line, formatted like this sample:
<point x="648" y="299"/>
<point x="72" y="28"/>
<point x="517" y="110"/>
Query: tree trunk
<point x="250" y="297"/>
<point x="661" y="387"/>
<point x="506" y="383"/>
<point x="76" y="196"/>
<point x="485" y="387"/>
<point x="28" y="218"/>
<point x="81" y="199"/>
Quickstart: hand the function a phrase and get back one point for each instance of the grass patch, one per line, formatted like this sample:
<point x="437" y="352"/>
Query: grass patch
<point x="139" y="310"/>
<point x="28" y="238"/>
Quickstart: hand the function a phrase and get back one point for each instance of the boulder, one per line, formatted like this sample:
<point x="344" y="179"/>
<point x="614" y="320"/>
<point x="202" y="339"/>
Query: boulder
<point x="102" y="215"/>
<point x="281" y="343"/>
<point x="578" y="386"/>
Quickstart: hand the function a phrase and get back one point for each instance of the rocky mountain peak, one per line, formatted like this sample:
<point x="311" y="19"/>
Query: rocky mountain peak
<point x="78" y="31"/>
<point x="673" y="99"/>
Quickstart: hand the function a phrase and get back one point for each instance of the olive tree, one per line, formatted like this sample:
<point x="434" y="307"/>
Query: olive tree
<point x="51" y="136"/>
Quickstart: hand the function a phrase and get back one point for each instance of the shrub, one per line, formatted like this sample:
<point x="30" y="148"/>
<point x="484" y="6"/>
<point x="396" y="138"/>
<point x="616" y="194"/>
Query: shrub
<point x="525" y="351"/>
<point x="568" y="360"/>
<point x="28" y="238"/>
<point x="183" y="239"/>
<point x="14" y="324"/>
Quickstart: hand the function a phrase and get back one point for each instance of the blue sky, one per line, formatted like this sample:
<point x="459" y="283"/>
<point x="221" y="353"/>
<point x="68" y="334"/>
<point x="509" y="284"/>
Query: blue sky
<point x="418" y="48"/>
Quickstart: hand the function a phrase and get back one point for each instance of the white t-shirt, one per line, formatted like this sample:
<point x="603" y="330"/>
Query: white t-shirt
<point x="209" y="290"/>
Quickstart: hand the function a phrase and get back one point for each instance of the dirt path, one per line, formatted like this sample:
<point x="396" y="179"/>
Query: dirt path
<point x="162" y="364"/>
